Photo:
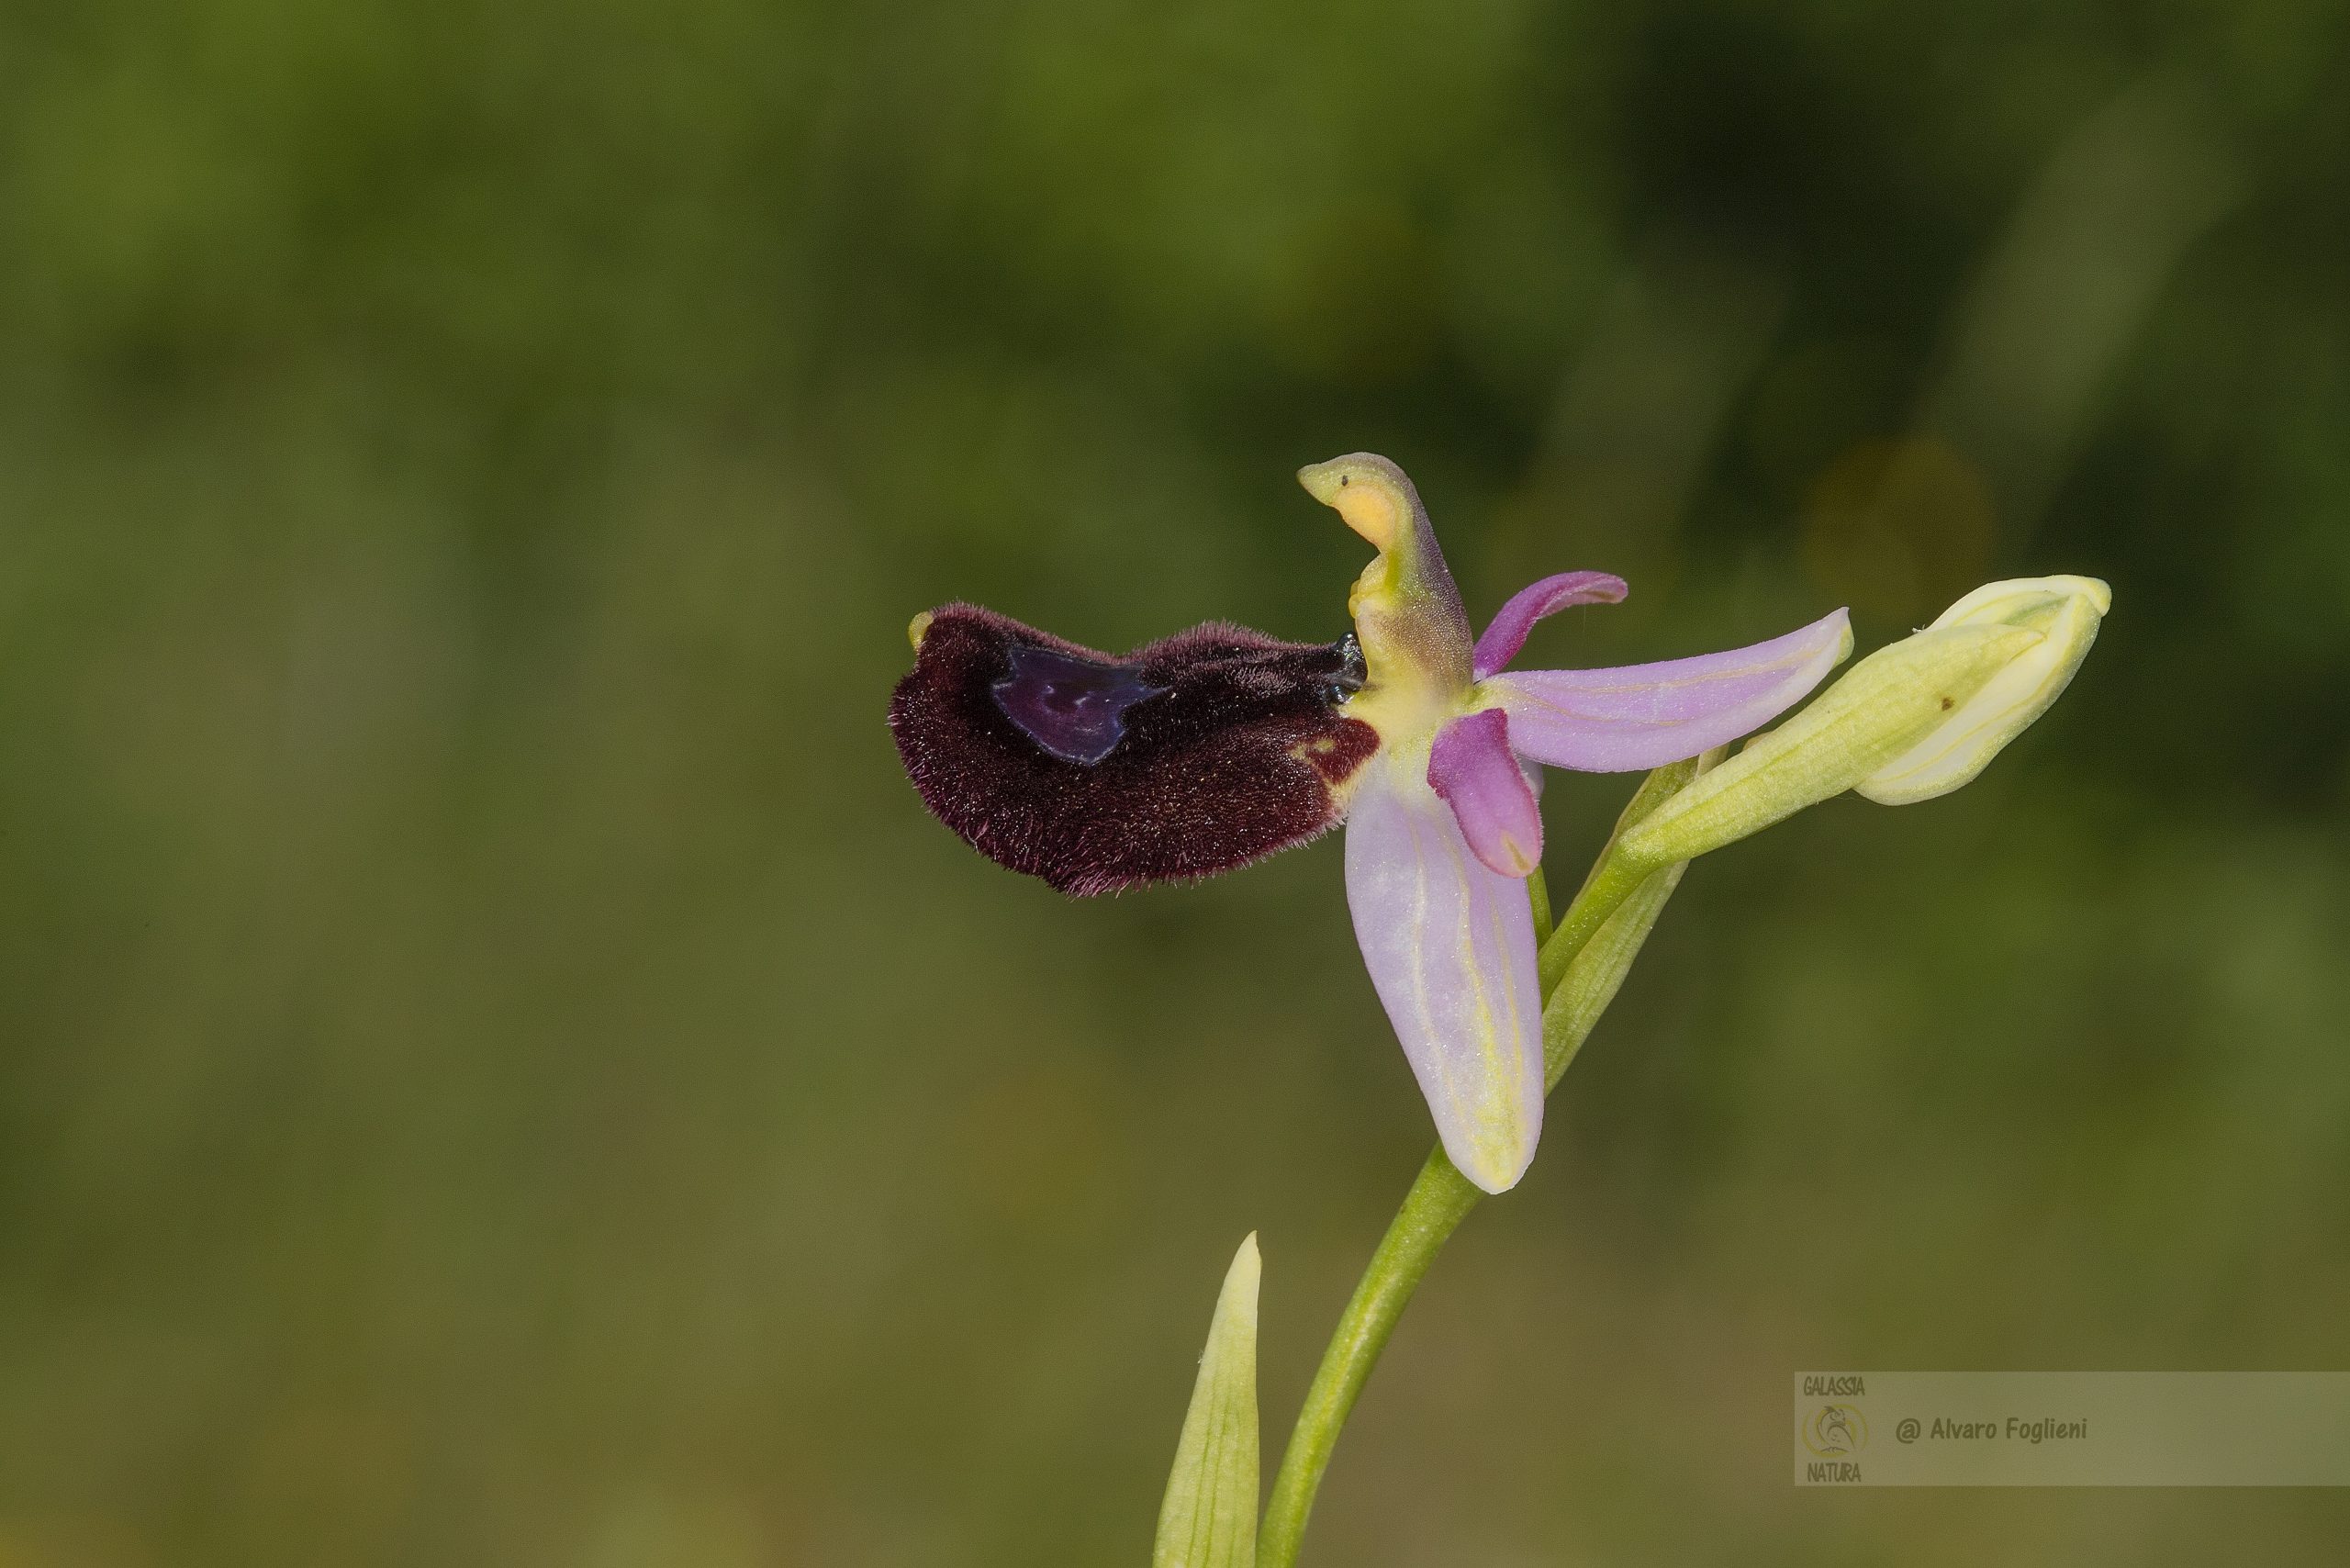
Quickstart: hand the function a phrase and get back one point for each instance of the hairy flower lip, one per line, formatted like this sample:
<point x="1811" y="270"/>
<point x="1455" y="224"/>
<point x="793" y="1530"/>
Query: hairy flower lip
<point x="1227" y="746"/>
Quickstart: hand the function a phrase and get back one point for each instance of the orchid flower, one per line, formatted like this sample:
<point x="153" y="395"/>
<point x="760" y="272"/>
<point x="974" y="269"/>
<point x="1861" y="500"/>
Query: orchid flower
<point x="1212" y="748"/>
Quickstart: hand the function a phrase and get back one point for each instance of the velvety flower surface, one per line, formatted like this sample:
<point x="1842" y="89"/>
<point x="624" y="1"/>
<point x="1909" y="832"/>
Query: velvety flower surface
<point x="1194" y="754"/>
<point x="1219" y="745"/>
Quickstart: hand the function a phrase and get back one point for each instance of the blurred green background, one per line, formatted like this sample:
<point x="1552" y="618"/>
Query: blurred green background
<point x="495" y="1067"/>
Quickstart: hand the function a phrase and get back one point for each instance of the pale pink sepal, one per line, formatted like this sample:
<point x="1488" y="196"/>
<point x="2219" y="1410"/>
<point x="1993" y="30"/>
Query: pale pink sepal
<point x="1449" y="945"/>
<point x="1642" y="716"/>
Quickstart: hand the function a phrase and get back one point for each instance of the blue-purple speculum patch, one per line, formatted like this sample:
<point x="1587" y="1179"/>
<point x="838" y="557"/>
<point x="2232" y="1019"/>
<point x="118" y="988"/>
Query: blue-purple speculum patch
<point x="1189" y="755"/>
<point x="1075" y="708"/>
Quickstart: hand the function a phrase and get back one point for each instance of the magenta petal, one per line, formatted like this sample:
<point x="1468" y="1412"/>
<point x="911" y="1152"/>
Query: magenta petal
<point x="1507" y="631"/>
<point x="1473" y="769"/>
<point x="1450" y="949"/>
<point x="1643" y="716"/>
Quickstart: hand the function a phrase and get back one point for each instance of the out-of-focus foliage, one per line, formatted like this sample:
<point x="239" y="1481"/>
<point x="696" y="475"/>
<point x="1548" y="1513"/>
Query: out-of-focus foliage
<point x="496" y="1067"/>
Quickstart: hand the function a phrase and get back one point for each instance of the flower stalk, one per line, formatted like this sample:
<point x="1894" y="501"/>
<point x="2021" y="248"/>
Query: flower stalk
<point x="1591" y="967"/>
<point x="1439" y="1200"/>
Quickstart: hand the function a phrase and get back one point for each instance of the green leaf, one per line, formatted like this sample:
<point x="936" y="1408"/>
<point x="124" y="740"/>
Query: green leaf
<point x="1596" y="972"/>
<point x="1209" y="1519"/>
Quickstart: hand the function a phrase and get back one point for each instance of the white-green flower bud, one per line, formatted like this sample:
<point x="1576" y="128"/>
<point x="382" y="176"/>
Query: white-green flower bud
<point x="2065" y="612"/>
<point x="1882" y="708"/>
<point x="1209" y="1517"/>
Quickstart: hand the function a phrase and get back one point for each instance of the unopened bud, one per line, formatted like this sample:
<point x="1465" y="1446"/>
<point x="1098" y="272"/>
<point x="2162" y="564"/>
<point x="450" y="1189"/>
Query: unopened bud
<point x="2065" y="612"/>
<point x="1883" y="709"/>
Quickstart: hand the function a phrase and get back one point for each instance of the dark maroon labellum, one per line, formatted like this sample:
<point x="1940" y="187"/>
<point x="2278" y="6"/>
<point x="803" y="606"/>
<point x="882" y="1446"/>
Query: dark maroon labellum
<point x="1192" y="756"/>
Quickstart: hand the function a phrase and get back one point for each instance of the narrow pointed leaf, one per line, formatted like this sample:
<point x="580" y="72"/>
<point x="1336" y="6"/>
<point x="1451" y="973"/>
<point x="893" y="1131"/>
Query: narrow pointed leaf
<point x="1209" y="1517"/>
<point x="1596" y="972"/>
<point x="1589" y="916"/>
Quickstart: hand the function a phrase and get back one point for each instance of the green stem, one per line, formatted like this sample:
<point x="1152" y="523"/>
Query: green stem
<point x="1439" y="1200"/>
<point x="1615" y="875"/>
<point x="1442" y="1197"/>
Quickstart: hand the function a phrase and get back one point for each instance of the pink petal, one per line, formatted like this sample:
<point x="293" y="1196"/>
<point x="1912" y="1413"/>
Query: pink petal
<point x="1450" y="949"/>
<point x="1643" y="716"/>
<point x="1507" y="631"/>
<point x="1473" y="769"/>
